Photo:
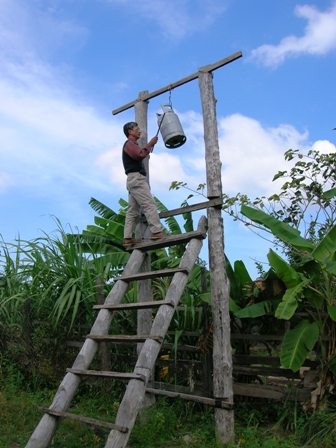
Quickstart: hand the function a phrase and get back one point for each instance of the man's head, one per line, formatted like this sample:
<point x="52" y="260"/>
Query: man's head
<point x="131" y="129"/>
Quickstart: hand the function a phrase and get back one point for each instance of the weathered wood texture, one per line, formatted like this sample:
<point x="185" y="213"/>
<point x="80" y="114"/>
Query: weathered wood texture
<point x="220" y="288"/>
<point x="80" y="418"/>
<point x="135" y="305"/>
<point x="150" y="274"/>
<point x="135" y="390"/>
<point x="104" y="346"/>
<point x="107" y="374"/>
<point x="209" y="68"/>
<point x="144" y="287"/>
<point x="172" y="240"/>
<point x="46" y="429"/>
<point x="203" y="400"/>
<point x="217" y="202"/>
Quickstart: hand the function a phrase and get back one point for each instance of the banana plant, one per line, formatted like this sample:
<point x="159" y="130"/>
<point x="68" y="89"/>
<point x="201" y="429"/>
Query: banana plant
<point x="310" y="286"/>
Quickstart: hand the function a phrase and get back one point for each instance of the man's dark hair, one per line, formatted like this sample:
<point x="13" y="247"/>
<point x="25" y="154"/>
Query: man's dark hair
<point x="129" y="126"/>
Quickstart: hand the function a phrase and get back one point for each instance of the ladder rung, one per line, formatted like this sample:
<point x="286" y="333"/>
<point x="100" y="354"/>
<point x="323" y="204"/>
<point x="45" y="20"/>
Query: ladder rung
<point x="80" y="418"/>
<point x="152" y="274"/>
<point x="123" y="338"/>
<point x="135" y="306"/>
<point x="171" y="240"/>
<point x="107" y="374"/>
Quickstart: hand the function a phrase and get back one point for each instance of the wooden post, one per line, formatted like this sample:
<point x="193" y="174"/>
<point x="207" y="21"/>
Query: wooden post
<point x="220" y="289"/>
<point x="205" y="357"/>
<point x="144" y="287"/>
<point x="104" y="347"/>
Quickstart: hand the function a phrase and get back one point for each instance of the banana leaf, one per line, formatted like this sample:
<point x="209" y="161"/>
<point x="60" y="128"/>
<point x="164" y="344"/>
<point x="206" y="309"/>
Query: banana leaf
<point x="332" y="312"/>
<point x="327" y="247"/>
<point x="280" y="229"/>
<point x="255" y="310"/>
<point x="284" y="270"/>
<point x="297" y="344"/>
<point x="290" y="300"/>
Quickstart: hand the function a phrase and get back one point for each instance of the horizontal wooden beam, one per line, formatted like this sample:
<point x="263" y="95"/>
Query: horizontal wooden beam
<point x="152" y="274"/>
<point x="123" y="339"/>
<point x="207" y="68"/>
<point x="217" y="403"/>
<point x="107" y="374"/>
<point x="171" y="240"/>
<point x="217" y="202"/>
<point x="271" y="392"/>
<point x="135" y="305"/>
<point x="80" y="418"/>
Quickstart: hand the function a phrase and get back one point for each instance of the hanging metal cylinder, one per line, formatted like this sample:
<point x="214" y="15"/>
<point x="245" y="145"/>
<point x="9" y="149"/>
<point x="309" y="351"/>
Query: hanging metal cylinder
<point x="170" y="127"/>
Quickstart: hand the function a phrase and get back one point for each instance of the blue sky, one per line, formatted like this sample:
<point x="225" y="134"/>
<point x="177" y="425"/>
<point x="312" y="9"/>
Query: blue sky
<point x="66" y="64"/>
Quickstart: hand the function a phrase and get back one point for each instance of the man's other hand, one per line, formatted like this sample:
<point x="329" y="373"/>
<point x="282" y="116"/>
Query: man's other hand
<point x="153" y="141"/>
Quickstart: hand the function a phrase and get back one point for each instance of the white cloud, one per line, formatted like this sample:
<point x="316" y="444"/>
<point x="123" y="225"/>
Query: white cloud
<point x="252" y="155"/>
<point x="319" y="38"/>
<point x="324" y="147"/>
<point x="177" y="18"/>
<point x="28" y="31"/>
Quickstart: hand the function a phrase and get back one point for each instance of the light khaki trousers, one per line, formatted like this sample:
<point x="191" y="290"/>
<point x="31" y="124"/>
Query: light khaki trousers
<point x="139" y="196"/>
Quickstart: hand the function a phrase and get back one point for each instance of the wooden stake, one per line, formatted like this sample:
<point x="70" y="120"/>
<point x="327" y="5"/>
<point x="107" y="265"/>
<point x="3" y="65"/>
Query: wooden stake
<point x="220" y="289"/>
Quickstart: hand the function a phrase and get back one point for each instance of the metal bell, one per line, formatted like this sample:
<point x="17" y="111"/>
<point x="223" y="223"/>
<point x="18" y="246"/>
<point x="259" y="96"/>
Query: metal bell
<point x="170" y="127"/>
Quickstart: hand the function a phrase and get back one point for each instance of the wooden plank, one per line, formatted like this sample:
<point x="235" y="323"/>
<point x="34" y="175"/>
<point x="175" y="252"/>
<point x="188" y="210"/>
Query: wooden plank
<point x="217" y="202"/>
<point x="144" y="286"/>
<point x="107" y="374"/>
<point x="267" y="360"/>
<point x="80" y="418"/>
<point x="134" y="306"/>
<point x="219" y="403"/>
<point x="220" y="287"/>
<point x="180" y="347"/>
<point x="264" y="371"/>
<point x="258" y="337"/>
<point x="150" y="274"/>
<point x="271" y="392"/>
<point x="208" y="68"/>
<point x="124" y="339"/>
<point x="171" y="240"/>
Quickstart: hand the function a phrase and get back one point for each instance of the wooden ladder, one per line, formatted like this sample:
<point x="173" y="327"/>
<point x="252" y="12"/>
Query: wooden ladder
<point x="138" y="380"/>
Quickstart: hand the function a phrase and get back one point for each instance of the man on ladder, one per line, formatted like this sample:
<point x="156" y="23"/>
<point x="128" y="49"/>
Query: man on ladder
<point x="139" y="195"/>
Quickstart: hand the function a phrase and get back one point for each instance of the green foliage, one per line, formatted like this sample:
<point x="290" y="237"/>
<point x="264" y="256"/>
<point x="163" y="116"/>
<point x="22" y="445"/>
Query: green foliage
<point x="297" y="344"/>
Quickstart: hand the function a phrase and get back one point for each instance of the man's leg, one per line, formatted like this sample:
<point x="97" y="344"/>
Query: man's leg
<point x="133" y="212"/>
<point x="139" y="190"/>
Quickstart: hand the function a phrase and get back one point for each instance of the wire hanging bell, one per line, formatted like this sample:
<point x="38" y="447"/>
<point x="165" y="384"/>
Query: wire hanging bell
<point x="170" y="127"/>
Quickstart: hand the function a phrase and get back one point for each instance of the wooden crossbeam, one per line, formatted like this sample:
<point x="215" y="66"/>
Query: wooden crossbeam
<point x="80" y="418"/>
<point x="135" y="306"/>
<point x="217" y="403"/>
<point x="207" y="68"/>
<point x="107" y="374"/>
<point x="217" y="202"/>
<point x="171" y="240"/>
<point x="123" y="339"/>
<point x="151" y="274"/>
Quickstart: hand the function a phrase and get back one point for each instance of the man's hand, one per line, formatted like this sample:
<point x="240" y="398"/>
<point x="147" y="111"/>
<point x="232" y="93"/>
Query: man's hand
<point x="153" y="141"/>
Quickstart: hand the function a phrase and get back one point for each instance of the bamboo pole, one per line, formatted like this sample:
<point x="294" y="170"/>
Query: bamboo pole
<point x="220" y="289"/>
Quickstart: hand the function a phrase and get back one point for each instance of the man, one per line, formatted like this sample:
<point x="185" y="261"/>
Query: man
<point x="139" y="194"/>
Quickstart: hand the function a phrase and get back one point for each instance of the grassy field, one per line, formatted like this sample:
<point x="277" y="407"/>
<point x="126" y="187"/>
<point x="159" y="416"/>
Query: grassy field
<point x="167" y="424"/>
